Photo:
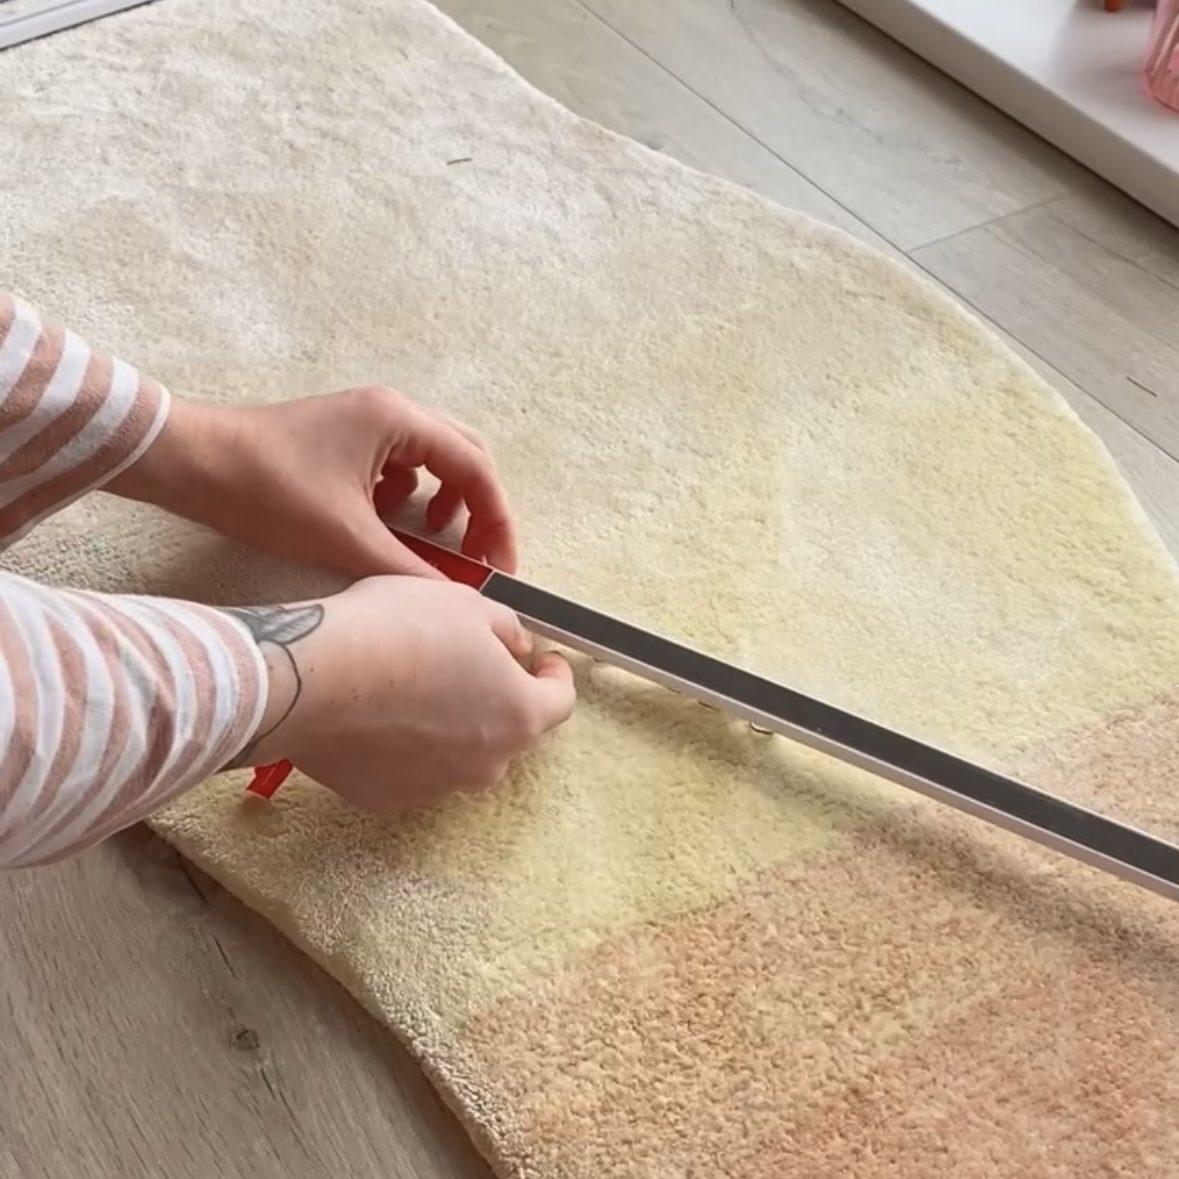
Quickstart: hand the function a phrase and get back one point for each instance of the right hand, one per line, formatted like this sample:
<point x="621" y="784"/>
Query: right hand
<point x="241" y="470"/>
<point x="400" y="690"/>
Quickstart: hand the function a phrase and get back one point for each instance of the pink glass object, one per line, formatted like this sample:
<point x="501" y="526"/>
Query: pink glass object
<point x="1161" y="68"/>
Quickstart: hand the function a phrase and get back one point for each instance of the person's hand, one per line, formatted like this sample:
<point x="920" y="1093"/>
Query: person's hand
<point x="299" y="478"/>
<point x="399" y="690"/>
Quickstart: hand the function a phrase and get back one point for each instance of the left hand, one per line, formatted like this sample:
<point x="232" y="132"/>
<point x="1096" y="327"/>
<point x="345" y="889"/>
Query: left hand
<point x="299" y="478"/>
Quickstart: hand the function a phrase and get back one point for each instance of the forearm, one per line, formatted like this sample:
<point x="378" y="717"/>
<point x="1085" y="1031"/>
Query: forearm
<point x="71" y="417"/>
<point x="109" y="707"/>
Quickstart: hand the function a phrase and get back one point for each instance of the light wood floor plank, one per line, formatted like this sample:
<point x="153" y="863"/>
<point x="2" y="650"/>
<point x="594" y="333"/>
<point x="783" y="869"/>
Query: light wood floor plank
<point x="145" y="1031"/>
<point x="903" y="147"/>
<point x="1110" y="219"/>
<point x="571" y="55"/>
<point x="1106" y="322"/>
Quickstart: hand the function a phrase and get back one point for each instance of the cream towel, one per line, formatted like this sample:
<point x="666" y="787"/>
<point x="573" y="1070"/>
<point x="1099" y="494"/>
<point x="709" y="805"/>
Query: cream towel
<point x="668" y="946"/>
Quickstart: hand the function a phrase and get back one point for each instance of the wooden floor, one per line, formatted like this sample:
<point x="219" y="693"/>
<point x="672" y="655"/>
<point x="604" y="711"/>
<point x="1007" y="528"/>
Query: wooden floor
<point x="149" y="1025"/>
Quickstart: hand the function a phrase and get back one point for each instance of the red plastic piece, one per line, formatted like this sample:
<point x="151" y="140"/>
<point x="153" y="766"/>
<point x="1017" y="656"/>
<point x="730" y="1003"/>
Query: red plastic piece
<point x="454" y="565"/>
<point x="267" y="779"/>
<point x="468" y="571"/>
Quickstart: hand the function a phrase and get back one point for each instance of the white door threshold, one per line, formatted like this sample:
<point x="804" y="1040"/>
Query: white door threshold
<point x="26" y="20"/>
<point x="1066" y="69"/>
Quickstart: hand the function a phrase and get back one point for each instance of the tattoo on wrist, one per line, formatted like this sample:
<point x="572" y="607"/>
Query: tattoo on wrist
<point x="276" y="629"/>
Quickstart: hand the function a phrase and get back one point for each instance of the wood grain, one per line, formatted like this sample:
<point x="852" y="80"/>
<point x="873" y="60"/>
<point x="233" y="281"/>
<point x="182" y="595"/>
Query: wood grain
<point x="571" y="55"/>
<point x="151" y="1025"/>
<point x="898" y="144"/>
<point x="1104" y="320"/>
<point x="1112" y="220"/>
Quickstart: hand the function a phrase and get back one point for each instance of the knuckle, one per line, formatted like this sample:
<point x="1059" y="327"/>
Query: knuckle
<point x="475" y="457"/>
<point x="468" y="433"/>
<point x="381" y="401"/>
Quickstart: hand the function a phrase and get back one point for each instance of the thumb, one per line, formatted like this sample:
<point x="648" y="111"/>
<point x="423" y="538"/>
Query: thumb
<point x="553" y="690"/>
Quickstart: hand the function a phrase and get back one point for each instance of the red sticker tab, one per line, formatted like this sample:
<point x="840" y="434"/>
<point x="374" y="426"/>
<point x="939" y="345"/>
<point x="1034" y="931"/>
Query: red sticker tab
<point x="454" y="565"/>
<point x="267" y="779"/>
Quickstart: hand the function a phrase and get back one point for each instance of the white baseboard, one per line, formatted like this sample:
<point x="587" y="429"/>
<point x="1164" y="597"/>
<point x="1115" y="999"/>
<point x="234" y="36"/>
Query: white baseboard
<point x="1066" y="69"/>
<point x="54" y="15"/>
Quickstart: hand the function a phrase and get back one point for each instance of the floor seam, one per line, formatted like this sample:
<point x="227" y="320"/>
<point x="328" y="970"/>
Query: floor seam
<point x="994" y="325"/>
<point x="990" y="223"/>
<point x="734" y="122"/>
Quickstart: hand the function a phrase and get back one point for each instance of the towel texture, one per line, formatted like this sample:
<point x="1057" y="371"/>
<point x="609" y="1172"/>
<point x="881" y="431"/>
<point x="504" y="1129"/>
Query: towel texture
<point x="668" y="946"/>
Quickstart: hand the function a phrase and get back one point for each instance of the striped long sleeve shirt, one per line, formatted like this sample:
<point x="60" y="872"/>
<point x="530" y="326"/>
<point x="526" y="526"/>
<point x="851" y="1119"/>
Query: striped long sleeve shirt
<point x="109" y="705"/>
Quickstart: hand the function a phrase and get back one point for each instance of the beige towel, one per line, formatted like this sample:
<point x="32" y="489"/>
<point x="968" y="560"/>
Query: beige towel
<point x="668" y="946"/>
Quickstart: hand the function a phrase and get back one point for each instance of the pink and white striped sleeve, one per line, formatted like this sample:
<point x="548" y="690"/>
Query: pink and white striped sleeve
<point x="109" y="705"/>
